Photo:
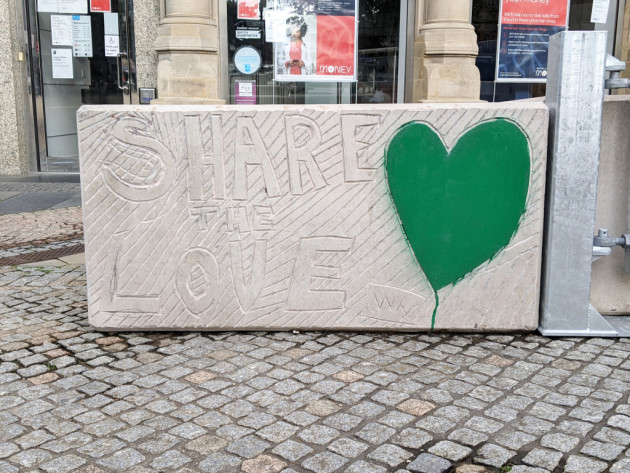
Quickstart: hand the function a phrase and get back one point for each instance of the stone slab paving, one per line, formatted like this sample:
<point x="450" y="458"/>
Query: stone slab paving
<point x="39" y="228"/>
<point x="74" y="399"/>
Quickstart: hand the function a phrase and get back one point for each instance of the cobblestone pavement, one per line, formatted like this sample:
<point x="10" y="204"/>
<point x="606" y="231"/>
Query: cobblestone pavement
<point x="74" y="399"/>
<point x="38" y="228"/>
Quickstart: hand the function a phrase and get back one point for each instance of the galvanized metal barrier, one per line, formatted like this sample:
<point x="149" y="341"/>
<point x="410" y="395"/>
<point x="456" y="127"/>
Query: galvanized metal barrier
<point x="575" y="94"/>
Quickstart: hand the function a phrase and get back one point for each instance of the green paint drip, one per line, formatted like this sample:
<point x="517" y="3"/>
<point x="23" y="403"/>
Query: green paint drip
<point x="437" y="304"/>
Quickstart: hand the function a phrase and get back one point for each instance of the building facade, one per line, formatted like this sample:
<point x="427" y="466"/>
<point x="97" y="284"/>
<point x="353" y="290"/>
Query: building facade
<point x="56" y="55"/>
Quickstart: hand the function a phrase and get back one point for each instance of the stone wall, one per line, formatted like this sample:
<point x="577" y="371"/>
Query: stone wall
<point x="404" y="217"/>
<point x="12" y="145"/>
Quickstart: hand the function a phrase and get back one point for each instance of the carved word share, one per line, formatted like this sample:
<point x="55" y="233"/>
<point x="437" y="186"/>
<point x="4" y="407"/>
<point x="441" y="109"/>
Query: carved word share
<point x="276" y="218"/>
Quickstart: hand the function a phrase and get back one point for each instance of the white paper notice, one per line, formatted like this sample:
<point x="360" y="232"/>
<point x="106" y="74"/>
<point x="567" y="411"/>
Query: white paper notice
<point x="275" y="26"/>
<point x="81" y="36"/>
<point x="72" y="6"/>
<point x="111" y="23"/>
<point x="48" y="6"/>
<point x="61" y="30"/>
<point x="599" y="14"/>
<point x="112" y="46"/>
<point x="62" y="64"/>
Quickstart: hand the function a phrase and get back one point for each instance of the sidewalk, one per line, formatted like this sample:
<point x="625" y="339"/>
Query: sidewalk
<point x="74" y="399"/>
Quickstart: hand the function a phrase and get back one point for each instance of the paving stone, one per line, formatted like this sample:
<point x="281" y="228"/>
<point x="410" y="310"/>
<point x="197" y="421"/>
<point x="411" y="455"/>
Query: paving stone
<point x="364" y="467"/>
<point x="436" y="425"/>
<point x="602" y="451"/>
<point x="450" y="450"/>
<point x="375" y="433"/>
<point x="389" y="454"/>
<point x="412" y="438"/>
<point x="514" y="440"/>
<point x="562" y="443"/>
<point x="63" y="464"/>
<point x="30" y="458"/>
<point x="579" y="464"/>
<point x="277" y="432"/>
<point x="248" y="446"/>
<point x="263" y="464"/>
<point x="609" y="435"/>
<point x="325" y="462"/>
<point x="483" y="424"/>
<point x="471" y="469"/>
<point x="291" y="450"/>
<point x="171" y="459"/>
<point x="8" y="449"/>
<point x="494" y="455"/>
<point x="102" y="447"/>
<point x="467" y="437"/>
<point x="427" y="463"/>
<point x="620" y="421"/>
<point x="319" y="434"/>
<point x="220" y="462"/>
<point x="548" y="459"/>
<point x="621" y="466"/>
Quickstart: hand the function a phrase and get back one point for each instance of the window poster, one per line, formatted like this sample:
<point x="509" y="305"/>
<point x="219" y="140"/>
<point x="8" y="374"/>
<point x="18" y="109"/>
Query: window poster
<point x="245" y="92"/>
<point x="523" y="43"/>
<point x="73" y="6"/>
<point x="318" y="40"/>
<point x="599" y="13"/>
<point x="48" y="6"/>
<point x="112" y="45"/>
<point x="81" y="36"/>
<point x="248" y="10"/>
<point x="61" y="30"/>
<point x="62" y="63"/>
<point x="100" y="5"/>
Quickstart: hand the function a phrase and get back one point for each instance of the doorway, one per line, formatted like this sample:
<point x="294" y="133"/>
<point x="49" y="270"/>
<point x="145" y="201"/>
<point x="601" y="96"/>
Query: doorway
<point x="80" y="52"/>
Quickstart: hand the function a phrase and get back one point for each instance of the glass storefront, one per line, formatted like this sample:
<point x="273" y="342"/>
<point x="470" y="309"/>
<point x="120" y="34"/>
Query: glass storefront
<point x="485" y="19"/>
<point x="377" y="78"/>
<point x="80" y="52"/>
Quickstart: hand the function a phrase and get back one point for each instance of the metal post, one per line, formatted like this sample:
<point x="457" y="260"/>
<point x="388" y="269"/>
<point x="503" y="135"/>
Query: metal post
<point x="575" y="93"/>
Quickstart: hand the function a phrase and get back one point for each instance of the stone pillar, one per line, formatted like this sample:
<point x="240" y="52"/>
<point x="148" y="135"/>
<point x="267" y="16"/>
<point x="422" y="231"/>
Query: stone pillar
<point x="447" y="44"/>
<point x="13" y="155"/>
<point x="188" y="53"/>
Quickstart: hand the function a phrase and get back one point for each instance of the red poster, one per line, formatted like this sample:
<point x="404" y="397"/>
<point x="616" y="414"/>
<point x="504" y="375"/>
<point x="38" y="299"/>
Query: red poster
<point x="100" y="5"/>
<point x="541" y="12"/>
<point x="248" y="9"/>
<point x="335" y="45"/>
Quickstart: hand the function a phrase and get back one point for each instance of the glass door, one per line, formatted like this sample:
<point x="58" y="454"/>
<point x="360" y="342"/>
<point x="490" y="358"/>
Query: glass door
<point x="81" y="52"/>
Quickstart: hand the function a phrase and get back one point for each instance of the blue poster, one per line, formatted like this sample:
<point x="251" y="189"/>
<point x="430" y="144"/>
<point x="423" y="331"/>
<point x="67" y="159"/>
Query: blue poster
<point x="523" y="51"/>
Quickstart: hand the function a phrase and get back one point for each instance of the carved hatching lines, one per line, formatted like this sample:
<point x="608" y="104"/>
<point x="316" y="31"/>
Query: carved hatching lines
<point x="283" y="265"/>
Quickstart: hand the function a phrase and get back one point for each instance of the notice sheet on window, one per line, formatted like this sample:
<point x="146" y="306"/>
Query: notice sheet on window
<point x="48" y="6"/>
<point x="81" y="36"/>
<point x="62" y="63"/>
<point x="61" y="30"/>
<point x="73" y="6"/>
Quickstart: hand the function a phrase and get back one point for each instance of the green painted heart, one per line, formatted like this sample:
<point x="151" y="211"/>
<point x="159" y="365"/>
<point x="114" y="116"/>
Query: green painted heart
<point x="458" y="208"/>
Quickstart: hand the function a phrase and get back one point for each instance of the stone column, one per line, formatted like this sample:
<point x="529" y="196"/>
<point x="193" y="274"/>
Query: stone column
<point x="188" y="53"/>
<point x="447" y="44"/>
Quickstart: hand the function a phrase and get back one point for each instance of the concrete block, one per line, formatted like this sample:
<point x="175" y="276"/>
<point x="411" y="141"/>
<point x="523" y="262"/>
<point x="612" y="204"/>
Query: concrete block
<point x="610" y="286"/>
<point x="398" y="217"/>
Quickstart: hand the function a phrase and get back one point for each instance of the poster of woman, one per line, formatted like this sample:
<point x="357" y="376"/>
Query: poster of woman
<point x="319" y="42"/>
<point x="295" y="58"/>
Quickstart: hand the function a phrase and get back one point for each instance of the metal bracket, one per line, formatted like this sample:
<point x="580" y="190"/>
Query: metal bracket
<point x="615" y="67"/>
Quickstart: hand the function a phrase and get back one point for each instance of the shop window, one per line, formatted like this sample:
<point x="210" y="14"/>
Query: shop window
<point x="485" y="19"/>
<point x="263" y="57"/>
